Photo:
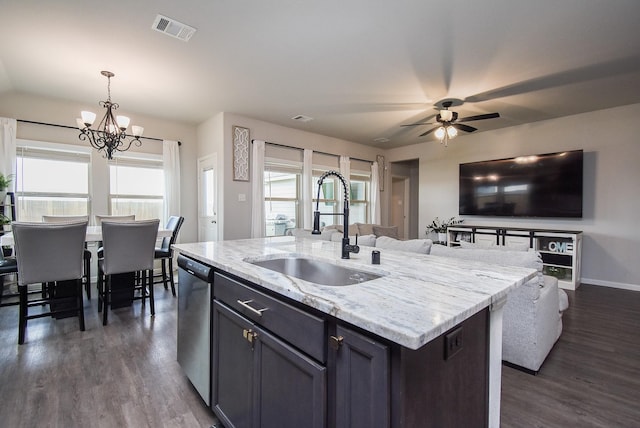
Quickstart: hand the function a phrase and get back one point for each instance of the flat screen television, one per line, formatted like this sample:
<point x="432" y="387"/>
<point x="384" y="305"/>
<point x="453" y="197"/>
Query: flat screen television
<point x="546" y="185"/>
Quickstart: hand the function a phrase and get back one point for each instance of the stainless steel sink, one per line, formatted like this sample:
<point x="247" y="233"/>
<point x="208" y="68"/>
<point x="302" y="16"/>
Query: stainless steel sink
<point x="316" y="271"/>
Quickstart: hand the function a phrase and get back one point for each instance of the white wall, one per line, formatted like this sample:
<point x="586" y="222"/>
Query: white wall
<point x="237" y="214"/>
<point x="611" y="206"/>
<point x="48" y="110"/>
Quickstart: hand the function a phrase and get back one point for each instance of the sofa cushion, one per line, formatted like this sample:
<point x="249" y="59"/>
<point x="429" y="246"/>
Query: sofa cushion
<point x="390" y="231"/>
<point x="353" y="228"/>
<point x="365" y="228"/>
<point x="413" y="245"/>
<point x="366" y="240"/>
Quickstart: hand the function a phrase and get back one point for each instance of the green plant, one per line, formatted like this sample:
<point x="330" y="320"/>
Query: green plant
<point x="441" y="226"/>
<point x="4" y="220"/>
<point x="5" y="181"/>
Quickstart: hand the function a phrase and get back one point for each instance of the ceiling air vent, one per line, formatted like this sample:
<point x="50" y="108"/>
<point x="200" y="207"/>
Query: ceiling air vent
<point x="173" y="28"/>
<point x="302" y="118"/>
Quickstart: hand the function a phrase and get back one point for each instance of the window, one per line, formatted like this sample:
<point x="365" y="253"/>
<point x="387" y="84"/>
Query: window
<point x="281" y="196"/>
<point x="330" y="198"/>
<point x="136" y="186"/>
<point x="51" y="180"/>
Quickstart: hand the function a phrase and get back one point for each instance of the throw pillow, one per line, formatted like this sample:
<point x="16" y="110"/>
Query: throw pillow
<point x="413" y="245"/>
<point x="365" y="228"/>
<point x="391" y="231"/>
<point x="366" y="240"/>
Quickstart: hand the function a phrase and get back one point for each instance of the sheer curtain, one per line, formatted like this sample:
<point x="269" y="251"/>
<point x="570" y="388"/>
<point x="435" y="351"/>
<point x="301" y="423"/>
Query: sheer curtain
<point x="307" y="189"/>
<point x="257" y="195"/>
<point x="171" y="165"/>
<point x="345" y="170"/>
<point x="8" y="149"/>
<point x="375" y="194"/>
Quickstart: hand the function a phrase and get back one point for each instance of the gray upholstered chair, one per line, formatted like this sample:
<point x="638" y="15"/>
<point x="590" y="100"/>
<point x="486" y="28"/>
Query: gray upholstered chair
<point x="164" y="253"/>
<point x="49" y="254"/>
<point x="112" y="218"/>
<point x="87" y="253"/>
<point x="127" y="247"/>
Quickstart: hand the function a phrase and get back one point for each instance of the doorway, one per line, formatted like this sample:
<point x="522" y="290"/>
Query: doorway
<point x="400" y="203"/>
<point x="208" y="198"/>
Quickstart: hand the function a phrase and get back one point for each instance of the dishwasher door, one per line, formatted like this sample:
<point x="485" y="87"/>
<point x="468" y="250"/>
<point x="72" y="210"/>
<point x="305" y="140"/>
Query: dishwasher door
<point x="194" y="323"/>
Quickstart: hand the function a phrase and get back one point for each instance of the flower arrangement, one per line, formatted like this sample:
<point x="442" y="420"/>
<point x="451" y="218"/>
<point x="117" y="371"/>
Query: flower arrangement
<point x="441" y="226"/>
<point x="5" y="181"/>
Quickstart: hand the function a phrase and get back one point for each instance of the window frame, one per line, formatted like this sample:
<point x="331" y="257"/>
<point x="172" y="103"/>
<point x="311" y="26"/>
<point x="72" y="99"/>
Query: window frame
<point x="287" y="167"/>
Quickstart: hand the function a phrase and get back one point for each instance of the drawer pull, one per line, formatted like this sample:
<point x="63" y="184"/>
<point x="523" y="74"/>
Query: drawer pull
<point x="245" y="305"/>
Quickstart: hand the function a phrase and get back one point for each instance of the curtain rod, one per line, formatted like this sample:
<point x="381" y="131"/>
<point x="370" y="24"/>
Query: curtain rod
<point x="315" y="151"/>
<point x="73" y="127"/>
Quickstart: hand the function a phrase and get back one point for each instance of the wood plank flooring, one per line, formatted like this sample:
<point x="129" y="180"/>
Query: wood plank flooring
<point x="591" y="378"/>
<point x="126" y="374"/>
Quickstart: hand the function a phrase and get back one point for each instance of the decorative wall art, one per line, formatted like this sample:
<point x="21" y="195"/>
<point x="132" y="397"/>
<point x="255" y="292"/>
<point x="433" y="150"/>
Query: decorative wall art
<point x="241" y="142"/>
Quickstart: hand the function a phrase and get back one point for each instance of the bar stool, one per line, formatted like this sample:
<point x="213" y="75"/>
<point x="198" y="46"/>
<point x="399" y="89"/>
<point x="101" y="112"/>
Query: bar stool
<point x="165" y="253"/>
<point x="50" y="254"/>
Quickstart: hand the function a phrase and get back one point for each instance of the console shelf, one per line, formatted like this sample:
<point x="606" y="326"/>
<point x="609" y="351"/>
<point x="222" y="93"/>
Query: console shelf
<point x="560" y="249"/>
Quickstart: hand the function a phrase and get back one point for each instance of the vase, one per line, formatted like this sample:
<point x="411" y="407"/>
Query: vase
<point x="442" y="236"/>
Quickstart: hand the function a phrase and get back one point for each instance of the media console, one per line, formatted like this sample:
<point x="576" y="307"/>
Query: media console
<point x="561" y="250"/>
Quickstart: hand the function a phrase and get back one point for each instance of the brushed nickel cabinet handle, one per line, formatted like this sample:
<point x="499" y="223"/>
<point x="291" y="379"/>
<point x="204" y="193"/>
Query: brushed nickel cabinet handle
<point x="245" y="305"/>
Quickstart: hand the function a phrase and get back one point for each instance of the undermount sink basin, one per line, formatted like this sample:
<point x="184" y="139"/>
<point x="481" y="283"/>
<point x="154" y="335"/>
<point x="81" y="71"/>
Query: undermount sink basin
<point x="316" y="271"/>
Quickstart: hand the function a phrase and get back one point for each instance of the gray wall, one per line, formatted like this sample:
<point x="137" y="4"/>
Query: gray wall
<point x="611" y="181"/>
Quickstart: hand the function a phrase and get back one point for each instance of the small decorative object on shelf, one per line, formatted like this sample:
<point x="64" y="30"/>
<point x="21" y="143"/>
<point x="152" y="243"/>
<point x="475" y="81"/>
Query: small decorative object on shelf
<point x="5" y="222"/>
<point x="440" y="227"/>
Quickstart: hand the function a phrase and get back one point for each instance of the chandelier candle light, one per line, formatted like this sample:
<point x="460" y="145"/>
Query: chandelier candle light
<point x="110" y="135"/>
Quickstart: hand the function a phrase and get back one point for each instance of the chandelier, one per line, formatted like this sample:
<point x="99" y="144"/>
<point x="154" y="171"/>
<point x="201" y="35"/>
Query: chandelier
<point x="110" y="135"/>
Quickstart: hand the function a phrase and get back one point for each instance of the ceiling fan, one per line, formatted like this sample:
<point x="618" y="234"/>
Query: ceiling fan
<point x="448" y="123"/>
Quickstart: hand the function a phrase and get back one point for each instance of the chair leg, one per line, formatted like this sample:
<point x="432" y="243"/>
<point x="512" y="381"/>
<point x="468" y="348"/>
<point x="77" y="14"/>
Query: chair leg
<point x="106" y="298"/>
<point x="173" y="282"/>
<point x="22" y="320"/>
<point x="80" y="305"/>
<point x="100" y="287"/>
<point x="87" y="277"/>
<point x="164" y="273"/>
<point x="153" y="305"/>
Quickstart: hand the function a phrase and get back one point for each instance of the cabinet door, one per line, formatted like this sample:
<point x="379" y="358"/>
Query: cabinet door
<point x="291" y="386"/>
<point x="362" y="381"/>
<point x="232" y="368"/>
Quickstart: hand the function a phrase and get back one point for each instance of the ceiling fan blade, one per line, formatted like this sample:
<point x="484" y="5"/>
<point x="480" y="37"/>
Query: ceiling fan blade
<point x="419" y="123"/>
<point x="428" y="132"/>
<point x="479" y="117"/>
<point x="463" y="127"/>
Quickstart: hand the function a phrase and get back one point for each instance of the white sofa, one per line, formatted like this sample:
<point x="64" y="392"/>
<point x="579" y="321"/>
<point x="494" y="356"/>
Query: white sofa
<point x="533" y="313"/>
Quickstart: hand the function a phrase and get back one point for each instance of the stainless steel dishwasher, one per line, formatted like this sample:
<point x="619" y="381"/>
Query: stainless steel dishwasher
<point x="194" y="323"/>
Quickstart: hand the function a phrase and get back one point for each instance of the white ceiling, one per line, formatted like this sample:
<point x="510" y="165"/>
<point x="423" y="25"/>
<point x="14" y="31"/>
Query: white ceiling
<point x="360" y="68"/>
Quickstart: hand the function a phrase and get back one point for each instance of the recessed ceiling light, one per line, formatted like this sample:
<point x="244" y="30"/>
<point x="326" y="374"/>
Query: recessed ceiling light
<point x="173" y="28"/>
<point x="302" y="118"/>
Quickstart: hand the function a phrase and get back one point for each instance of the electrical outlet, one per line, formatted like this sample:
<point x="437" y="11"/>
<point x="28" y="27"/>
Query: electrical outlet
<point x="452" y="343"/>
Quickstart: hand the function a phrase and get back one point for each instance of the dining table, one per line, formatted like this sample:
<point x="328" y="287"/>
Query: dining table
<point x="94" y="234"/>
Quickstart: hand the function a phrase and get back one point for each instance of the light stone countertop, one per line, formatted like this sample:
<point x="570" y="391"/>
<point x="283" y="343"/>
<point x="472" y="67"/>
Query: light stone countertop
<point x="418" y="298"/>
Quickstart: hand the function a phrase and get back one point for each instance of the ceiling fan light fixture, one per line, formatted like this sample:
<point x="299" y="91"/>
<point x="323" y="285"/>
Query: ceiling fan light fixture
<point x="452" y="132"/>
<point x="446" y="115"/>
<point x="440" y="133"/>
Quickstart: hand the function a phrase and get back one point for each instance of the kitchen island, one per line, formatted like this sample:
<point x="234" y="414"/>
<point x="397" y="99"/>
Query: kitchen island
<point x="418" y="346"/>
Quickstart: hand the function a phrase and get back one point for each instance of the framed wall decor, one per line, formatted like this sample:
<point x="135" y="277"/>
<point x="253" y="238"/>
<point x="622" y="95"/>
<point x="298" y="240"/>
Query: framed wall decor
<point x="241" y="143"/>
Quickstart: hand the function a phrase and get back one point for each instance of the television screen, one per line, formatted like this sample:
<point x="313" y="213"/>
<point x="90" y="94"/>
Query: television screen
<point x="547" y="185"/>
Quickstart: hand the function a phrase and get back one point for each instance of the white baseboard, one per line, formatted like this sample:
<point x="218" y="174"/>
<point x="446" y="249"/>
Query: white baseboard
<point x="621" y="285"/>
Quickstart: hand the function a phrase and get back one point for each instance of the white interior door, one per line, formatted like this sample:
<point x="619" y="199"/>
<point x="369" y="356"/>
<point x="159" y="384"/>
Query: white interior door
<point x="207" y="198"/>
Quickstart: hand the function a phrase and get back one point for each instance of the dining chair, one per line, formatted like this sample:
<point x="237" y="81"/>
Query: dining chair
<point x="127" y="247"/>
<point x="87" y="252"/>
<point x="121" y="218"/>
<point x="164" y="253"/>
<point x="8" y="266"/>
<point x="51" y="254"/>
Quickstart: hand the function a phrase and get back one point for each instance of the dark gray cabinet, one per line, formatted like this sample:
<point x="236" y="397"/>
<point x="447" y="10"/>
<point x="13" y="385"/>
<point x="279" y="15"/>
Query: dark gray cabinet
<point x="259" y="380"/>
<point x="362" y="380"/>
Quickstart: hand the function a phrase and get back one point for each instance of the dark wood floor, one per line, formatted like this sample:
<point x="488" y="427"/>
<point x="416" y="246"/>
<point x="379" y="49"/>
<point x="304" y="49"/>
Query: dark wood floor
<point x="591" y="378"/>
<point x="126" y="374"/>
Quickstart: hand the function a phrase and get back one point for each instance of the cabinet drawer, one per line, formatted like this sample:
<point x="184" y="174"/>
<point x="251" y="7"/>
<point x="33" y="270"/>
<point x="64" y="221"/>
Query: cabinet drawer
<point x="303" y="330"/>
